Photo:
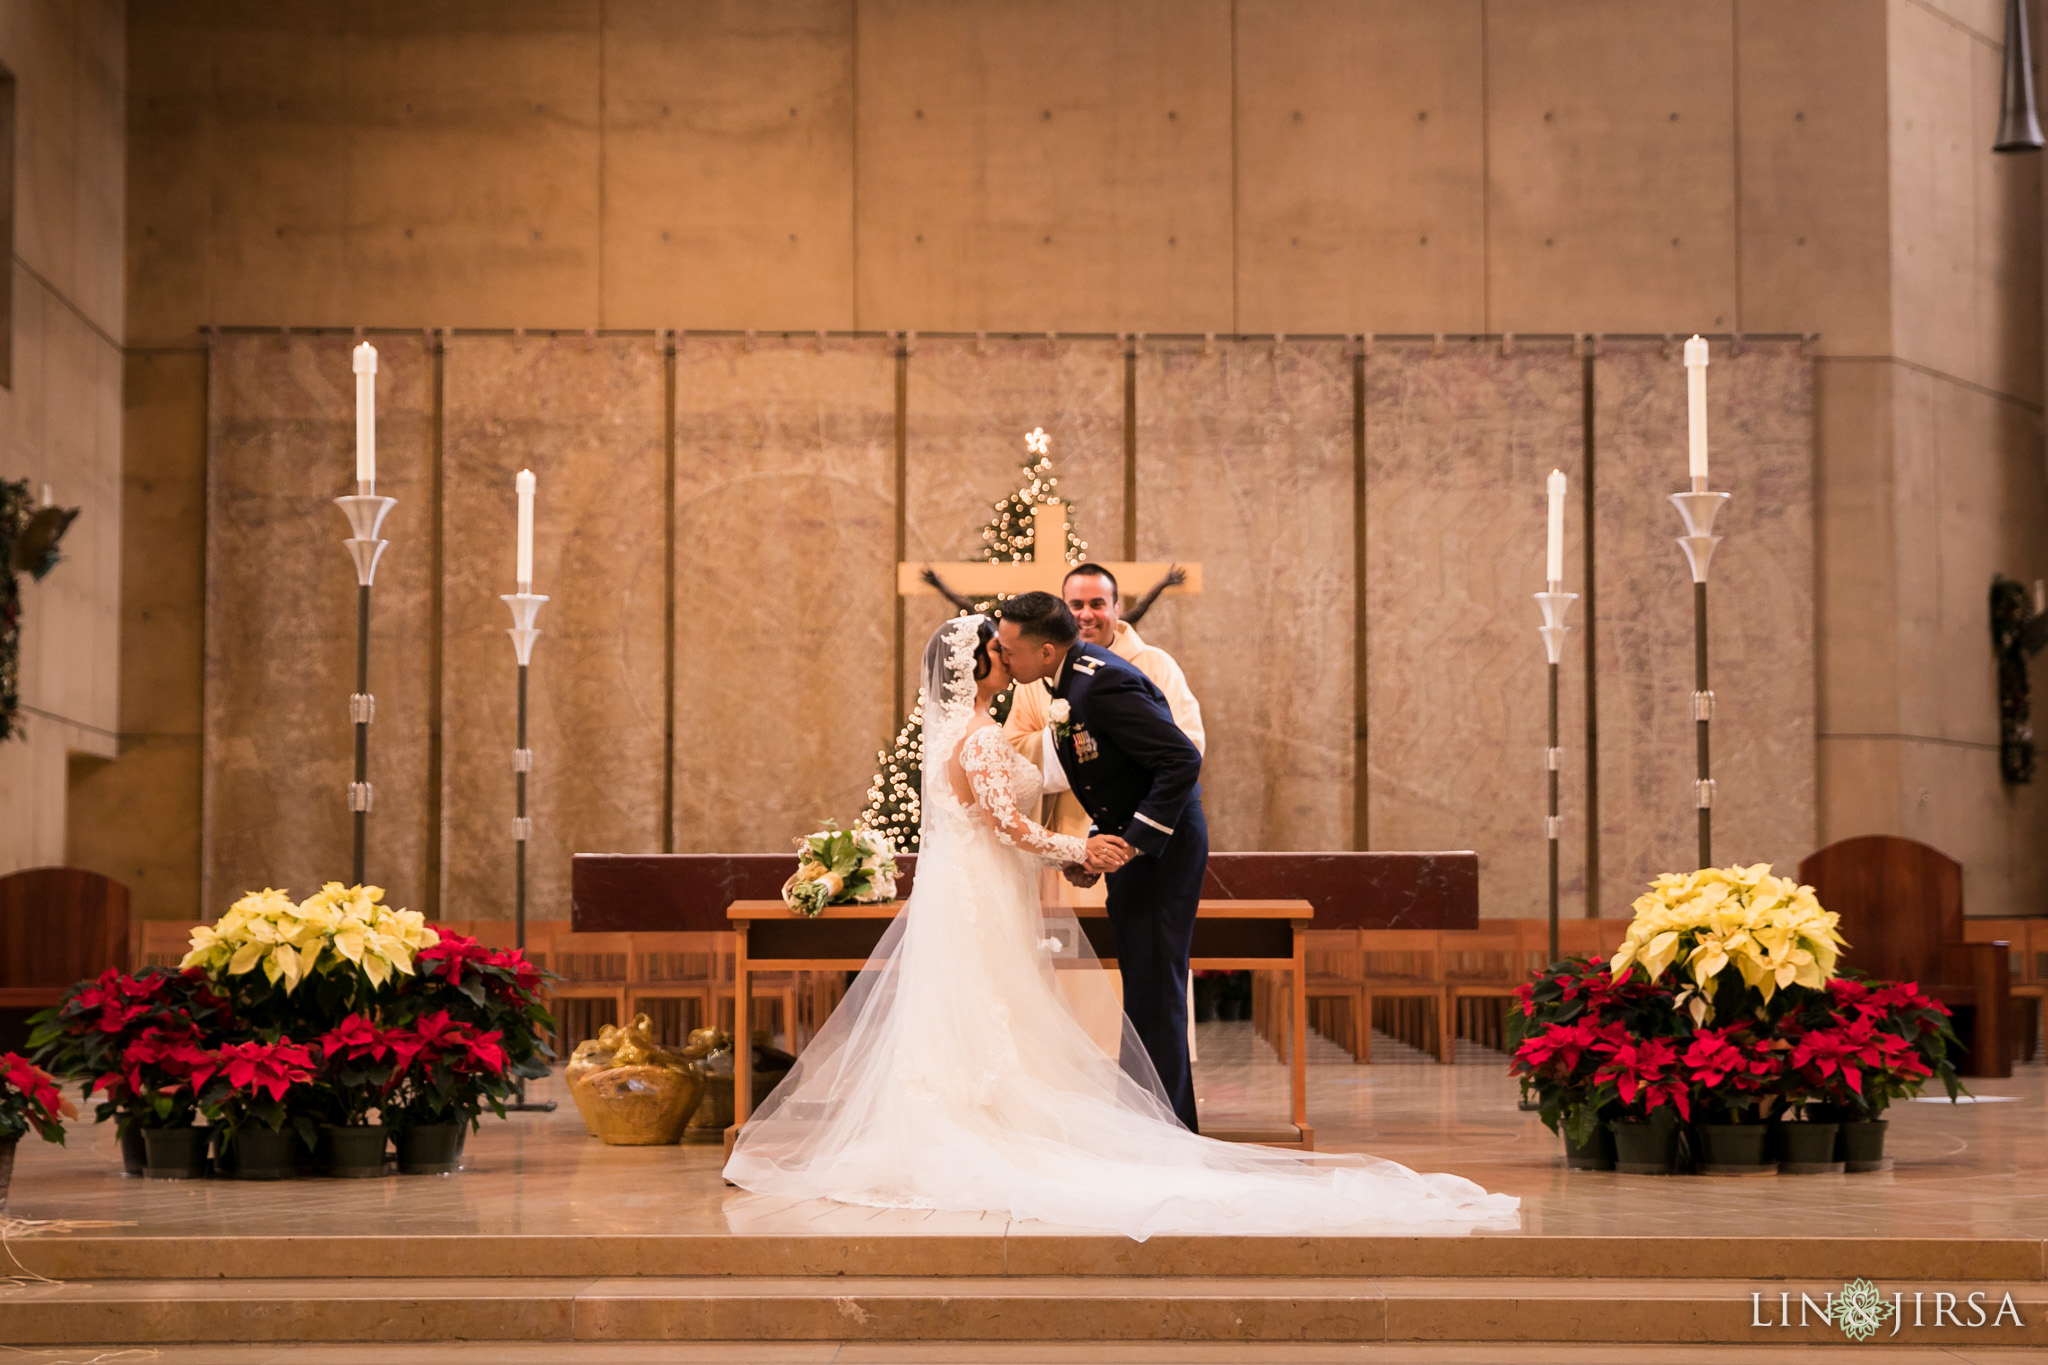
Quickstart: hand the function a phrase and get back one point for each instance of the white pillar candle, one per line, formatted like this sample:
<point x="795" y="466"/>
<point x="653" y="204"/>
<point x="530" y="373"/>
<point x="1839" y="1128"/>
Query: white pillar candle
<point x="366" y="417"/>
<point x="524" y="485"/>
<point x="1696" y="408"/>
<point x="1554" y="561"/>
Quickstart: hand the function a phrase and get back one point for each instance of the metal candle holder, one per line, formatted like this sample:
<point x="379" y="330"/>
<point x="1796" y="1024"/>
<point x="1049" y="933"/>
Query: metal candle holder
<point x="525" y="605"/>
<point x="1555" y="605"/>
<point x="1699" y="508"/>
<point x="366" y="512"/>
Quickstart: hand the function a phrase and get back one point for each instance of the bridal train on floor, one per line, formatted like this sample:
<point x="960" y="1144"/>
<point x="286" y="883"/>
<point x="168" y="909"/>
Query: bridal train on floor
<point x="955" y="1076"/>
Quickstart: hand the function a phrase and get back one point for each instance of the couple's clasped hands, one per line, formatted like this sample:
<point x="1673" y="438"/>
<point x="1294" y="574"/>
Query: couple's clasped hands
<point x="1106" y="853"/>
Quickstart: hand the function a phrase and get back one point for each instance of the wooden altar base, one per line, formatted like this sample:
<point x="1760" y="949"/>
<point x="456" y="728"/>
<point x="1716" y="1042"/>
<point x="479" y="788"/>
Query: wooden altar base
<point x="551" y="1246"/>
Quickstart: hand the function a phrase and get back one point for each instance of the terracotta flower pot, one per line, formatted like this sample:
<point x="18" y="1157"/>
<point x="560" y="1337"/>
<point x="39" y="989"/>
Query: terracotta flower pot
<point x="354" y="1151"/>
<point x="176" y="1153"/>
<point x="1862" y="1144"/>
<point x="1644" y="1146"/>
<point x="1808" y="1148"/>
<point x="430" y="1149"/>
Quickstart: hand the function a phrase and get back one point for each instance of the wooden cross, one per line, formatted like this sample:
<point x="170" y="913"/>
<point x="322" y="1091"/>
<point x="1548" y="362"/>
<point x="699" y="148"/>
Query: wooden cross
<point x="978" y="579"/>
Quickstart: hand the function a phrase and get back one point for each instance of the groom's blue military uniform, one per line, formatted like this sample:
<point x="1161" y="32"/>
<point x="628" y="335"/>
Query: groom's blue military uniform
<point x="1139" y="777"/>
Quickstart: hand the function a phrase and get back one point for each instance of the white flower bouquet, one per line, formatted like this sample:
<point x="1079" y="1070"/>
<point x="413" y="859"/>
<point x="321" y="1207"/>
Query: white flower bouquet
<point x="840" y="867"/>
<point x="292" y="941"/>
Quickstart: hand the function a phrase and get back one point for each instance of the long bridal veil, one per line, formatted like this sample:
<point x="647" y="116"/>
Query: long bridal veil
<point x="955" y="1075"/>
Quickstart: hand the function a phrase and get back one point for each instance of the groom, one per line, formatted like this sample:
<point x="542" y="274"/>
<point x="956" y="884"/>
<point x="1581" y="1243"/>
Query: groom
<point x="1136" y="774"/>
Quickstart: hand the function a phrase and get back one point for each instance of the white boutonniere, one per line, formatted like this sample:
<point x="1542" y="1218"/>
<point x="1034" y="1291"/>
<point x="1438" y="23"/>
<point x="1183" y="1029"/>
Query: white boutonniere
<point x="1061" y="714"/>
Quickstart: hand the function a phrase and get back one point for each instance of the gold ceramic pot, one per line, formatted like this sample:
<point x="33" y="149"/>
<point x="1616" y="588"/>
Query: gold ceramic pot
<point x="638" y="1106"/>
<point x="631" y="1091"/>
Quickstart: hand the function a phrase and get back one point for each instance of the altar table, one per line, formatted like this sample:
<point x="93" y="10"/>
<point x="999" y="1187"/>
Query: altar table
<point x="1230" y="935"/>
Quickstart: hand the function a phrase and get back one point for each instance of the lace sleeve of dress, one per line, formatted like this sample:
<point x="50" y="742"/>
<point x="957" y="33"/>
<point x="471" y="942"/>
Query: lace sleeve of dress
<point x="985" y="756"/>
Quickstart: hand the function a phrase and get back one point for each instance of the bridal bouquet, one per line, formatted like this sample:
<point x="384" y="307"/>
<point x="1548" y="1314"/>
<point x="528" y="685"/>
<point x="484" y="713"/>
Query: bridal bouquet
<point x="840" y="867"/>
<point x="1730" y="930"/>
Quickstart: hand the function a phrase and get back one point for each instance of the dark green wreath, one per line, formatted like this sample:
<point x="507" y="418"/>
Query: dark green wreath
<point x="28" y="545"/>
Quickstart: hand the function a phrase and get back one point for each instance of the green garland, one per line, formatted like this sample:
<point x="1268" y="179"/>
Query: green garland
<point x="1009" y="538"/>
<point x="28" y="544"/>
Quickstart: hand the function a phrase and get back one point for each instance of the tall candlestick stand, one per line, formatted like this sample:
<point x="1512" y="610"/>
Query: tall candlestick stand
<point x="1555" y="604"/>
<point x="525" y="607"/>
<point x="1698" y="509"/>
<point x="366" y="512"/>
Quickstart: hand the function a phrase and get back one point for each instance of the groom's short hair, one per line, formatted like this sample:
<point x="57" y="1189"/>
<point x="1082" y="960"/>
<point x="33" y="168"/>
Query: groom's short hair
<point x="1042" y="616"/>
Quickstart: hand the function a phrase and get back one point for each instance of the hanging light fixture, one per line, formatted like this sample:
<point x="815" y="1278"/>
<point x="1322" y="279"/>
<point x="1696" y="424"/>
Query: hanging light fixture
<point x="2018" y="128"/>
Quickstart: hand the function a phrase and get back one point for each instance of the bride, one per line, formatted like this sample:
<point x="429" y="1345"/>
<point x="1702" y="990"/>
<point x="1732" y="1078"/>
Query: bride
<point x="956" y="1076"/>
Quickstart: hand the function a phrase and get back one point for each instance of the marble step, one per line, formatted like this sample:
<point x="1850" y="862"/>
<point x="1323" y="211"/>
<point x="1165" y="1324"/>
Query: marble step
<point x="589" y="1256"/>
<point x="984" y="1309"/>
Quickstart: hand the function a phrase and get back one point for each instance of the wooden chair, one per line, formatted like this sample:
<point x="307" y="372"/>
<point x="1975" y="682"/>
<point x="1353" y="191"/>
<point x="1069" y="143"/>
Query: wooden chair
<point x="1901" y="908"/>
<point x="1335" y="990"/>
<point x="593" y="974"/>
<point x="1403" y="971"/>
<point x="674" y="979"/>
<point x="162" y="942"/>
<point x="2028" y="987"/>
<point x="1483" y="965"/>
<point x="58" y="926"/>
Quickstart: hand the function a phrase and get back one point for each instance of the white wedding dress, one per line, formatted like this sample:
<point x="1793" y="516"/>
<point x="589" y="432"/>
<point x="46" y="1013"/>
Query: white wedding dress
<point x="955" y="1076"/>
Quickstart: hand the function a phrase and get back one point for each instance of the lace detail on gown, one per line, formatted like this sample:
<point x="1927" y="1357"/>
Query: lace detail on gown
<point x="995" y="771"/>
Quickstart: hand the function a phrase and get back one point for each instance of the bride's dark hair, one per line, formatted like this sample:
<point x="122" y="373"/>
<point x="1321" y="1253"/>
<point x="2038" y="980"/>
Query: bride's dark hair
<point x="986" y="633"/>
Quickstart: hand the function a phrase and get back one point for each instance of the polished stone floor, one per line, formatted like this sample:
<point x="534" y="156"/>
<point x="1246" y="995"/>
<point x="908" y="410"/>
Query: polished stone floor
<point x="1972" y="1170"/>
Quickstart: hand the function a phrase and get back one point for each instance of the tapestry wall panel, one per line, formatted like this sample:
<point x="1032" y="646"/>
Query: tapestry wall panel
<point x="585" y="416"/>
<point x="281" y="619"/>
<point x="1761" y="614"/>
<point x="1458" y="450"/>
<point x="1245" y="464"/>
<point x="968" y="405"/>
<point x="785" y="585"/>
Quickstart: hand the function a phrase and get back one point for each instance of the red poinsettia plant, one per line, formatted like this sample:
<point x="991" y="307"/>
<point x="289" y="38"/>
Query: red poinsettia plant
<point x="1733" y="1073"/>
<point x="495" y="990"/>
<point x="442" y="1070"/>
<point x="255" y="1084"/>
<point x="1569" y="1022"/>
<point x="90" y="1034"/>
<point x="30" y="1100"/>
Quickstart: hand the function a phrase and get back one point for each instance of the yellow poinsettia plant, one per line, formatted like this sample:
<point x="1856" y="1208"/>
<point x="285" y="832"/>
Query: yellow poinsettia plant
<point x="1769" y="929"/>
<point x="291" y="940"/>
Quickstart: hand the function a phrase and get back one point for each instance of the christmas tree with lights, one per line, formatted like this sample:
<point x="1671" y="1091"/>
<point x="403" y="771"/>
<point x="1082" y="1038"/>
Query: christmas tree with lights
<point x="1009" y="538"/>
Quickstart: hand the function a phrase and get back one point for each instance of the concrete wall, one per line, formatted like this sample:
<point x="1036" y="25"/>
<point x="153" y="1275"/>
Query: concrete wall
<point x="60" y="416"/>
<point x="1192" y="165"/>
